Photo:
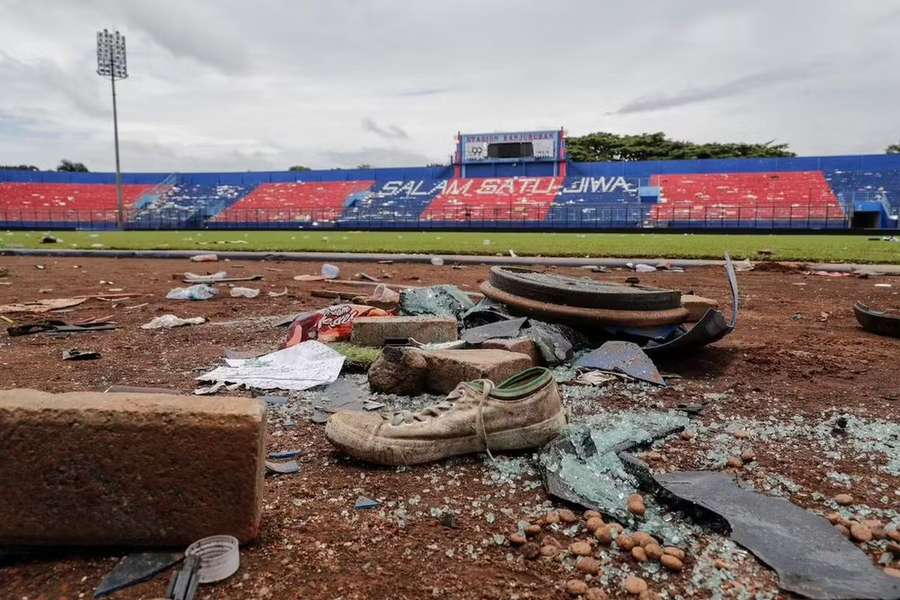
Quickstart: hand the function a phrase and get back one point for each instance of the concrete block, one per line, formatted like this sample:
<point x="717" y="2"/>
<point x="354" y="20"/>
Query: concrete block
<point x="373" y="331"/>
<point x="400" y="371"/>
<point x="697" y="306"/>
<point x="92" y="469"/>
<point x="447" y="368"/>
<point x="522" y="345"/>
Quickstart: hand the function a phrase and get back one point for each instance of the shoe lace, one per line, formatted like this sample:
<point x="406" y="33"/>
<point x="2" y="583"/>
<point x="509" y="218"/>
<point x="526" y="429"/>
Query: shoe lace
<point x="449" y="403"/>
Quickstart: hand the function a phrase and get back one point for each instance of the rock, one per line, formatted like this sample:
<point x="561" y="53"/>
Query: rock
<point x="594" y="523"/>
<point x="635" y="585"/>
<point x="673" y="551"/>
<point x="721" y="564"/>
<point x="876" y="527"/>
<point x="639" y="554"/>
<point x="697" y="306"/>
<point x="532" y="529"/>
<point x="588" y="565"/>
<point x="654" y="551"/>
<point x="642" y="538"/>
<point x="75" y="468"/>
<point x="520" y="345"/>
<point x="531" y="550"/>
<point x="625" y="542"/>
<point x="860" y="533"/>
<point x="448" y="368"/>
<point x="672" y="563"/>
<point x="517" y="539"/>
<point x="549" y="551"/>
<point x="551" y="518"/>
<point x="567" y="516"/>
<point x="843" y="499"/>
<point x="734" y="462"/>
<point x="742" y="434"/>
<point x="374" y="331"/>
<point x="580" y="548"/>
<point x="604" y="535"/>
<point x="687" y="435"/>
<point x="636" y="505"/>
<point x="748" y="455"/>
<point x="595" y="593"/>
<point x="576" y="587"/>
<point x="401" y="371"/>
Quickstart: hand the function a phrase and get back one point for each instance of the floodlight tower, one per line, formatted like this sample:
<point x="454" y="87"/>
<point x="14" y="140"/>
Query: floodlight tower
<point x="111" y="63"/>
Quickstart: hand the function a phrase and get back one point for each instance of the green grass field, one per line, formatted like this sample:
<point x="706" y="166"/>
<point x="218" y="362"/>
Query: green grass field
<point x="821" y="248"/>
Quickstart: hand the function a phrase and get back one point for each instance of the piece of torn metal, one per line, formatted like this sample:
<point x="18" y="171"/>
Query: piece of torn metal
<point x="877" y="321"/>
<point x="712" y="327"/>
<point x="134" y="569"/>
<point x="184" y="582"/>
<point x="622" y="357"/>
<point x="300" y="367"/>
<point x="56" y="328"/>
<point x="499" y="330"/>
<point x="810" y="556"/>
<point x="588" y="464"/>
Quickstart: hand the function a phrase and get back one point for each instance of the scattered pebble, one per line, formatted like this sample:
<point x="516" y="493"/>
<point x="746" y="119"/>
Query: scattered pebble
<point x="594" y="523"/>
<point x="687" y="435"/>
<point x="636" y="505"/>
<point x="580" y="549"/>
<point x="843" y="499"/>
<point x="676" y="552"/>
<point x="531" y="550"/>
<point x="654" y="551"/>
<point x="639" y="554"/>
<point x="576" y="587"/>
<point x="748" y="455"/>
<point x="596" y="594"/>
<point x="734" y="462"/>
<point x="635" y="585"/>
<point x="551" y="518"/>
<point x="549" y="551"/>
<point x="860" y="533"/>
<point x="625" y="543"/>
<point x="517" y="539"/>
<point x="532" y="530"/>
<point x="721" y="564"/>
<point x="588" y="565"/>
<point x="604" y="535"/>
<point x="673" y="563"/>
<point x="742" y="434"/>
<point x="567" y="516"/>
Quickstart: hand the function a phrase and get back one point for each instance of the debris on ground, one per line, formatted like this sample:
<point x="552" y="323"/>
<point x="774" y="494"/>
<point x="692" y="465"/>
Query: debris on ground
<point x="330" y="324"/>
<point x="299" y="367"/>
<point x="55" y="327"/>
<point x="219" y="557"/>
<point x="810" y="556"/>
<point x="185" y="581"/>
<point x="42" y="306"/>
<point x="381" y="297"/>
<point x="308" y="278"/>
<point x="136" y="568"/>
<point x="437" y="300"/>
<point x="76" y="354"/>
<point x="882" y="322"/>
<point x="377" y="331"/>
<point x="330" y="271"/>
<point x="205" y="258"/>
<point x="219" y="277"/>
<point x="195" y="292"/>
<point x="283" y="292"/>
<point x="287" y="467"/>
<point x="169" y="321"/>
<point x="697" y="306"/>
<point x="243" y="292"/>
<point x="358" y="358"/>
<point x="363" y="503"/>
<point x="49" y="239"/>
<point x="622" y="357"/>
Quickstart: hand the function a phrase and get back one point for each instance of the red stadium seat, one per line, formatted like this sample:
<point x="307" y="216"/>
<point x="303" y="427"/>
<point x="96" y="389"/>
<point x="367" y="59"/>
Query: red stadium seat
<point x="501" y="199"/>
<point x="65" y="202"/>
<point x="321" y="201"/>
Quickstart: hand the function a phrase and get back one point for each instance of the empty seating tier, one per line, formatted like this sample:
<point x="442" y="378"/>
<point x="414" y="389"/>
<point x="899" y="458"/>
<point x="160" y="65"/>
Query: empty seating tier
<point x="320" y="201"/>
<point x="64" y="202"/>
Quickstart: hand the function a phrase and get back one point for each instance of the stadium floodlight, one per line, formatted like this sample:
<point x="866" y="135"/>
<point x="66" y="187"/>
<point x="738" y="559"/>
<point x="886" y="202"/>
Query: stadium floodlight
<point x="111" y="62"/>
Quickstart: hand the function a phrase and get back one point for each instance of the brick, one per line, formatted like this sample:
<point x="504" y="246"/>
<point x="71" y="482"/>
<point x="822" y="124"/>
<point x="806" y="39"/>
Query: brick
<point x="447" y="368"/>
<point x="373" y="331"/>
<point x="92" y="469"/>
<point x="697" y="306"/>
<point x="522" y="345"/>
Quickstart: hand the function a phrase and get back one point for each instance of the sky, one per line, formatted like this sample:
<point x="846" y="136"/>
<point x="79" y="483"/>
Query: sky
<point x="227" y="85"/>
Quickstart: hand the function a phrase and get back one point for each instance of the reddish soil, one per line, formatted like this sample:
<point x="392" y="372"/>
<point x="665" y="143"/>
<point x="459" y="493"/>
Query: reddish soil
<point x="797" y="351"/>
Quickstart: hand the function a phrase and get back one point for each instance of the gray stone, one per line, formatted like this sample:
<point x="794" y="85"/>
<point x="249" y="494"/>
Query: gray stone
<point x="373" y="331"/>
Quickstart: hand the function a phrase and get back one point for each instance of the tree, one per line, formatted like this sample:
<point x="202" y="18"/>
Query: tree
<point x="71" y="167"/>
<point x="364" y="166"/>
<point x="299" y="168"/>
<point x="893" y="149"/>
<point x="604" y="146"/>
<point x="437" y="164"/>
<point x="18" y="168"/>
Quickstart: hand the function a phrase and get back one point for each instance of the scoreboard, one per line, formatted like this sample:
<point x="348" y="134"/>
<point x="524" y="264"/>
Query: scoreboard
<point x="511" y="147"/>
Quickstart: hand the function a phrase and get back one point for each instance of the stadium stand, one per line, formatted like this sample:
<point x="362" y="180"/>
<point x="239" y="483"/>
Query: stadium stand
<point x="866" y="185"/>
<point x="41" y="204"/>
<point x="782" y="197"/>
<point x="392" y="203"/>
<point x="186" y="204"/>
<point x="489" y="200"/>
<point x="319" y="202"/>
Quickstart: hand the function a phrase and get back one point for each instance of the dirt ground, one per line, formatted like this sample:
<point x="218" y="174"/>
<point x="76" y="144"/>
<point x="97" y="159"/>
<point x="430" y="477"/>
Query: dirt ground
<point x="796" y="364"/>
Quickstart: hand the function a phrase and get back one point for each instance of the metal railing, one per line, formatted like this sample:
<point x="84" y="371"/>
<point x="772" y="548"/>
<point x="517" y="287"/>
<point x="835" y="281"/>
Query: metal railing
<point x="512" y="216"/>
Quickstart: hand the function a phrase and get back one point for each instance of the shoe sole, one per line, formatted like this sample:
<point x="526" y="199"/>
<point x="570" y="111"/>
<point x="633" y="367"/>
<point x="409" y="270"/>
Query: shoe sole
<point x="399" y="451"/>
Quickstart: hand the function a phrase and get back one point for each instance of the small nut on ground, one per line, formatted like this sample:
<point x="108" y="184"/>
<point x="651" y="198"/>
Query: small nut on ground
<point x="687" y="435"/>
<point x="591" y="513"/>
<point x="593" y="523"/>
<point x="625" y="542"/>
<point x="567" y="516"/>
<point x="672" y="563"/>
<point x="588" y="565"/>
<point x="636" y="505"/>
<point x="721" y="564"/>
<point x="748" y="455"/>
<point x="734" y="462"/>
<point x="596" y="594"/>
<point x="580" y="548"/>
<point x="639" y="554"/>
<point x="604" y="535"/>
<point x="576" y="587"/>
<point x="860" y="533"/>
<point x="549" y="551"/>
<point x="642" y="538"/>
<point x="517" y="539"/>
<point x="532" y="530"/>
<point x="676" y="552"/>
<point x="551" y="518"/>
<point x="834" y="517"/>
<point x="635" y="585"/>
<point x="654" y="551"/>
<point x="843" y="499"/>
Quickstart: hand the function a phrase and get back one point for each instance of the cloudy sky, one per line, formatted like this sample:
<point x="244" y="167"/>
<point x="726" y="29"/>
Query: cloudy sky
<point x="237" y="85"/>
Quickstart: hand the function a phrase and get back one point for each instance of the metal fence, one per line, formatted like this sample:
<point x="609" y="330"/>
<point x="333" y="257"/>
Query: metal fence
<point x="555" y="217"/>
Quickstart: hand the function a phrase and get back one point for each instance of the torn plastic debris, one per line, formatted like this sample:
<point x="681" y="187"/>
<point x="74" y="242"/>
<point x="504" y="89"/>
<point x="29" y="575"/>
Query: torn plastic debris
<point x="242" y="292"/>
<point x="583" y="465"/>
<point x="299" y="367"/>
<point x="134" y="569"/>
<point x="200" y="291"/>
<point x="810" y="556"/>
<point x="169" y="321"/>
<point x="288" y="467"/>
<point x="329" y="324"/>
<point x="76" y="354"/>
<point x="438" y="300"/>
<point x="622" y="357"/>
<point x="500" y="329"/>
